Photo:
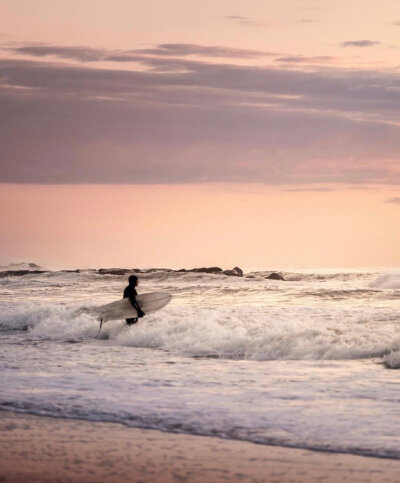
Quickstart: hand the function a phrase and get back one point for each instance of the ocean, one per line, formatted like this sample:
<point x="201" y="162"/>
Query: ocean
<point x="308" y="362"/>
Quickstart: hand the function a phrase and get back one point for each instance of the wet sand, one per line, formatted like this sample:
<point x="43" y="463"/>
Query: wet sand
<point x="41" y="449"/>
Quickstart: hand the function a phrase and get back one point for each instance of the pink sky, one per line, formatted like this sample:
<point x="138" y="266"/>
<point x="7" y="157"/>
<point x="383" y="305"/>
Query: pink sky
<point x="176" y="226"/>
<point x="256" y="133"/>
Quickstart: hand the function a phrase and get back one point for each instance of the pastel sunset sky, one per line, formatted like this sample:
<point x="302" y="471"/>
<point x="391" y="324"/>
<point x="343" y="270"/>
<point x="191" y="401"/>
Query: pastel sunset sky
<point x="264" y="134"/>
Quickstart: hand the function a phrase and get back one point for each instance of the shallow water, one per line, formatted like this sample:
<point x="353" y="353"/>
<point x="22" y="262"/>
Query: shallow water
<point x="300" y="363"/>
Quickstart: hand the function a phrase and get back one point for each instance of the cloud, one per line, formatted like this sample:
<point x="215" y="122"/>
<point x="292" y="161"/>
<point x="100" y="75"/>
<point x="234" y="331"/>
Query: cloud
<point x="307" y="20"/>
<point x="83" y="54"/>
<point x="322" y="59"/>
<point x="360" y="188"/>
<point x="359" y="43"/>
<point x="87" y="54"/>
<point x="244" y="20"/>
<point x="201" y="50"/>
<point x="178" y="120"/>
<point x="397" y="23"/>
<point x="393" y="200"/>
<point x="321" y="189"/>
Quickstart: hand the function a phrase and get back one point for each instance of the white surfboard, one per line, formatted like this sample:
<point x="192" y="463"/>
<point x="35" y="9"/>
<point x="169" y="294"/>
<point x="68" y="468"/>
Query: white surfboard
<point x="122" y="309"/>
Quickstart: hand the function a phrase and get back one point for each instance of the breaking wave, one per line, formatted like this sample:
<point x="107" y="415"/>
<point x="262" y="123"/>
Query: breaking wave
<point x="52" y="321"/>
<point x="249" y="333"/>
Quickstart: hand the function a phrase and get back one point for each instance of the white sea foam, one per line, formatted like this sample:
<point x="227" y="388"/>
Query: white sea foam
<point x="251" y="333"/>
<point x="51" y="321"/>
<point x="267" y="334"/>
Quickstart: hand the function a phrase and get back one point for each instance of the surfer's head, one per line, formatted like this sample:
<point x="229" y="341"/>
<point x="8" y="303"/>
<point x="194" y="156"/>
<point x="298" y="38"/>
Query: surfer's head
<point x="133" y="280"/>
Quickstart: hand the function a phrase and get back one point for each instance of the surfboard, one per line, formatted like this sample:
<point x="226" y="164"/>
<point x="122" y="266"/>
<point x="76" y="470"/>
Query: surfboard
<point x="122" y="309"/>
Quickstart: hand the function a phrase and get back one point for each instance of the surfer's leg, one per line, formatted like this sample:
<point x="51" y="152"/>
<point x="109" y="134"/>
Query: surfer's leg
<point x="131" y="321"/>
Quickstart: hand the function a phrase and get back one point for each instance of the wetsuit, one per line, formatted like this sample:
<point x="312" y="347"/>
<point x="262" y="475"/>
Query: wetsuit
<point x="130" y="293"/>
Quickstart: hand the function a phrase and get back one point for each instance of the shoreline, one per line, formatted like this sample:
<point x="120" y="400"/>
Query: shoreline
<point x="40" y="448"/>
<point x="172" y="433"/>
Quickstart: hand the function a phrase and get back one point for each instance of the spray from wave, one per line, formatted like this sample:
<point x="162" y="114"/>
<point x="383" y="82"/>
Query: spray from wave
<point x="387" y="281"/>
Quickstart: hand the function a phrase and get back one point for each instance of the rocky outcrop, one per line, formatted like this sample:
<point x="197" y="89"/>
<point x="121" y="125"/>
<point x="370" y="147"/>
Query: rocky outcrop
<point x="235" y="272"/>
<point x="202" y="270"/>
<point x="275" y="276"/>
<point x="124" y="271"/>
<point x="151" y="270"/>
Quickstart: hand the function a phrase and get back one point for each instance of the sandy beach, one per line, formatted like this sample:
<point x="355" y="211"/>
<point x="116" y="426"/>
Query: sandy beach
<point x="34" y="448"/>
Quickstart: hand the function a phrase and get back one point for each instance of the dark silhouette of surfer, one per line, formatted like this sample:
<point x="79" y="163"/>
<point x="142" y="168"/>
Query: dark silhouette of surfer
<point x="131" y="294"/>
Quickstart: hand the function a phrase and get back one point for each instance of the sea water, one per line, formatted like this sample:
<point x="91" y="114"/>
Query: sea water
<point x="307" y="362"/>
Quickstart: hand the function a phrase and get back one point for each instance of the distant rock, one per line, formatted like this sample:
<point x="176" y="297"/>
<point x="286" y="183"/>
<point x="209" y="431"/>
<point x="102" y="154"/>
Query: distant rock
<point x="202" y="270"/>
<point x="275" y="276"/>
<point x="235" y="272"/>
<point x="124" y="271"/>
<point x="152" y="270"/>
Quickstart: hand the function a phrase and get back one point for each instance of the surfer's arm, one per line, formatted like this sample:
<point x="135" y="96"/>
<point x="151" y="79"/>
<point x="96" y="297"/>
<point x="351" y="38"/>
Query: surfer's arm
<point x="135" y="304"/>
<point x="132" y="299"/>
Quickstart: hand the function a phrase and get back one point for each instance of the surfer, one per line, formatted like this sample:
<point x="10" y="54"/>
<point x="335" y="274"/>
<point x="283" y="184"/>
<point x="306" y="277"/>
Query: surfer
<point x="130" y="293"/>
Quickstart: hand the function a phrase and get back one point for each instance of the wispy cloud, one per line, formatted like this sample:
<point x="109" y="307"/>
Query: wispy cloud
<point x="240" y="19"/>
<point x="360" y="188"/>
<point x="322" y="59"/>
<point x="81" y="53"/>
<point x="87" y="54"/>
<point x="321" y="189"/>
<point x="202" y="50"/>
<point x="359" y="43"/>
